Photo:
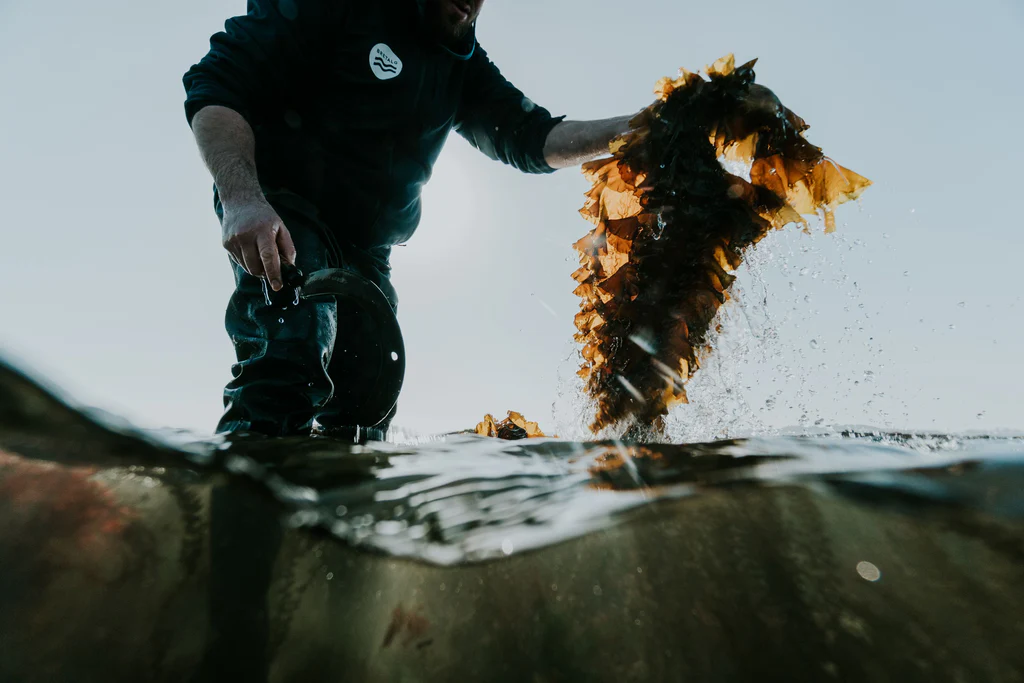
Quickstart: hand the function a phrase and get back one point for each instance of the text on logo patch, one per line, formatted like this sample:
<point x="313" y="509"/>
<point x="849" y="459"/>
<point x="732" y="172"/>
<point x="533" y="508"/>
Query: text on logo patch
<point x="384" y="63"/>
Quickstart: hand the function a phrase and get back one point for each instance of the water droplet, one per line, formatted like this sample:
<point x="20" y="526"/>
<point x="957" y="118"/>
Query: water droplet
<point x="814" y="343"/>
<point x="804" y="271"/>
<point x="868" y="571"/>
<point x="952" y="327"/>
<point x="507" y="547"/>
<point x="394" y="355"/>
<point x="660" y="230"/>
<point x="628" y="386"/>
<point x="330" y="575"/>
<point x="341" y="510"/>
<point x="644" y="342"/>
<point x="962" y="304"/>
<point x="597" y="590"/>
<point x="281" y="320"/>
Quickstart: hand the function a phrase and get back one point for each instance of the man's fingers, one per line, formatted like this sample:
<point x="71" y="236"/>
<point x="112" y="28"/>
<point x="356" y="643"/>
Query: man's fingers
<point x="234" y="254"/>
<point x="236" y="250"/>
<point x="270" y="259"/>
<point x="285" y="245"/>
<point x="251" y="259"/>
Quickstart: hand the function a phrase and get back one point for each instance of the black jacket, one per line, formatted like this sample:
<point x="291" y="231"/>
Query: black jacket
<point x="351" y="104"/>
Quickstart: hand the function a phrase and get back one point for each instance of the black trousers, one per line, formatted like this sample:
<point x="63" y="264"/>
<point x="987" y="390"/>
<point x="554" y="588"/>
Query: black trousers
<point x="291" y="367"/>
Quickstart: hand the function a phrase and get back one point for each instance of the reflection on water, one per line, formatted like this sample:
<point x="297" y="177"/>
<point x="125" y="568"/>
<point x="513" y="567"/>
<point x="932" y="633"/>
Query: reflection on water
<point x="467" y="499"/>
<point x="851" y="555"/>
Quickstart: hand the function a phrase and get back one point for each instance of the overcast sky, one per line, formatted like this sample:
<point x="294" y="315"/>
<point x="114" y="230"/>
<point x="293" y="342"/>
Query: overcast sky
<point x="115" y="282"/>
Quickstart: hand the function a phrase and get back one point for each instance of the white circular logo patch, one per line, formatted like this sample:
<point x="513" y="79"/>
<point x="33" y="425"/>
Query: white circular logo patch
<point x="384" y="63"/>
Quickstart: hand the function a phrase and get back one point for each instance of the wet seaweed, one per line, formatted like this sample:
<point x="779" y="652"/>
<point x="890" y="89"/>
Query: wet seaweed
<point x="672" y="225"/>
<point x="513" y="428"/>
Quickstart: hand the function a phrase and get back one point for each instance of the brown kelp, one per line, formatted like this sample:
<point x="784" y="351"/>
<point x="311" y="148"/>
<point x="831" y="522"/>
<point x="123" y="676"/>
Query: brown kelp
<point x="672" y="226"/>
<point x="513" y="428"/>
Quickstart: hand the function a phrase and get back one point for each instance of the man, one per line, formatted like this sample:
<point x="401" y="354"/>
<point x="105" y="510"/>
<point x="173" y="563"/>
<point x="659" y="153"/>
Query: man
<point x="320" y="121"/>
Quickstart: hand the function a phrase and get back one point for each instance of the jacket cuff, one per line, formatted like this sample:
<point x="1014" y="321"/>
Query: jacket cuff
<point x="203" y="98"/>
<point x="537" y="163"/>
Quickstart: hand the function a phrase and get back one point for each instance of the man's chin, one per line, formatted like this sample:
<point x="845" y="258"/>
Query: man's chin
<point x="455" y="33"/>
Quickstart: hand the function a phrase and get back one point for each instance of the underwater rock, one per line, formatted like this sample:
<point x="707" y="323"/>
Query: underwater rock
<point x="860" y="557"/>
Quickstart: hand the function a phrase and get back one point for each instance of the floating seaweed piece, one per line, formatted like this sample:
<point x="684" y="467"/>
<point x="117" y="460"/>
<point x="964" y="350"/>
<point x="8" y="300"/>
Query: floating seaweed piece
<point x="513" y="428"/>
<point x="672" y="226"/>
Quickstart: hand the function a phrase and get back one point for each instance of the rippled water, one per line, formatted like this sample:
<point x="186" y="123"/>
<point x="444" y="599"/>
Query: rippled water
<point x="465" y="499"/>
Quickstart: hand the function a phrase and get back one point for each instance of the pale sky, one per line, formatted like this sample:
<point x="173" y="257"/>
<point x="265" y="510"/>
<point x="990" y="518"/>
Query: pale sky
<point x="115" y="281"/>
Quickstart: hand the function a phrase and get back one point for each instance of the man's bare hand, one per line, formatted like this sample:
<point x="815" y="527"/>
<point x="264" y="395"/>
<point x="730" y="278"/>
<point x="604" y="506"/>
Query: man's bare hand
<point x="257" y="239"/>
<point x="253" y="233"/>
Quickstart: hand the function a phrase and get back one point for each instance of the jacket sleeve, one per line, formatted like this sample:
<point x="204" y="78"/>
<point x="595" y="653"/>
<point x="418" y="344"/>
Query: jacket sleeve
<point x="260" y="55"/>
<point x="496" y="118"/>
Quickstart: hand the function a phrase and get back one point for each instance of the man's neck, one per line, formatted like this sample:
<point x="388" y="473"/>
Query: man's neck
<point x="462" y="46"/>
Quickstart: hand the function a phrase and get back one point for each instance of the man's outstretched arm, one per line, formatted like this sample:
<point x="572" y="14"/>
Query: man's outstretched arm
<point x="572" y="143"/>
<point x="500" y="121"/>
